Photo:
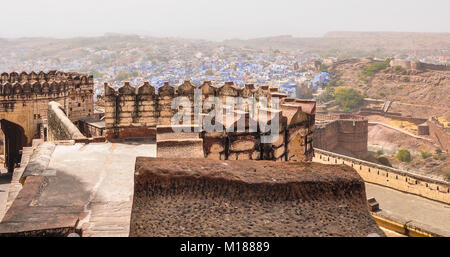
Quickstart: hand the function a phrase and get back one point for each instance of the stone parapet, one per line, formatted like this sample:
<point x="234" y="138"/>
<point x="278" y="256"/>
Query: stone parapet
<point x="405" y="181"/>
<point x="59" y="126"/>
<point x="201" y="197"/>
<point x="141" y="112"/>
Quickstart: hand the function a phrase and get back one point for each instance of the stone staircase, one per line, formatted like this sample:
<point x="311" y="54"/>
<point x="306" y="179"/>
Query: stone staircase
<point x="386" y="106"/>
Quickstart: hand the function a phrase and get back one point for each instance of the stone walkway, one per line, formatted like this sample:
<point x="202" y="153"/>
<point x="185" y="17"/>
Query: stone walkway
<point x="98" y="176"/>
<point x="431" y="215"/>
<point x="5" y="181"/>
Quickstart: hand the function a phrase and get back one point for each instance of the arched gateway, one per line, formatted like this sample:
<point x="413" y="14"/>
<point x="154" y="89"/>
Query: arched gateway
<point x="15" y="140"/>
<point x="24" y="99"/>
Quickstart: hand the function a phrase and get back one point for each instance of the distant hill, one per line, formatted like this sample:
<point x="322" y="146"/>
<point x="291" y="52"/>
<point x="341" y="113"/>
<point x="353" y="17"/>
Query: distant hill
<point x="355" y="34"/>
<point x="358" y="44"/>
<point x="339" y="44"/>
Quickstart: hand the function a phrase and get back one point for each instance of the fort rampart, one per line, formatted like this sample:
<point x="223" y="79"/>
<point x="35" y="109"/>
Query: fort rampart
<point x="59" y="126"/>
<point x="439" y="133"/>
<point x="438" y="190"/>
<point x="137" y="113"/>
<point x="392" y="116"/>
<point x="24" y="97"/>
<point x="416" y="65"/>
<point x="343" y="133"/>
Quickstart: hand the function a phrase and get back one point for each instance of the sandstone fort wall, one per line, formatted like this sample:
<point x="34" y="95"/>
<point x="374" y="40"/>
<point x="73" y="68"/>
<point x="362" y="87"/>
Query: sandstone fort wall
<point x="398" y="117"/>
<point x="416" y="65"/>
<point x="24" y="97"/>
<point x="137" y="112"/>
<point x="386" y="176"/>
<point x="342" y="133"/>
<point x="326" y="136"/>
<point x="439" y="134"/>
<point x="59" y="126"/>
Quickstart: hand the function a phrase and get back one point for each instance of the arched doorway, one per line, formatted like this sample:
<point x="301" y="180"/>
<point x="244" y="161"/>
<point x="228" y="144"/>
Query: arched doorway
<point x="15" y="140"/>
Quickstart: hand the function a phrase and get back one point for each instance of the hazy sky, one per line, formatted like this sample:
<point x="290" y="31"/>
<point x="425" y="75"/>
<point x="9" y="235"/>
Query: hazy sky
<point x="218" y="20"/>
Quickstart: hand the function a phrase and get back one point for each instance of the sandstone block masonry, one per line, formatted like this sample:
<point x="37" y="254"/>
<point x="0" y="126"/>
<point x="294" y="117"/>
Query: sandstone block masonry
<point x="390" y="177"/>
<point x="343" y="133"/>
<point x="201" y="197"/>
<point x="416" y="65"/>
<point x="137" y="112"/>
<point x="24" y="97"/>
<point x="439" y="133"/>
<point x="59" y="126"/>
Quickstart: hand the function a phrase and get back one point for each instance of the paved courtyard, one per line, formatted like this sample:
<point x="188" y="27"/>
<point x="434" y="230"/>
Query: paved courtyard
<point x="102" y="176"/>
<point x="92" y="182"/>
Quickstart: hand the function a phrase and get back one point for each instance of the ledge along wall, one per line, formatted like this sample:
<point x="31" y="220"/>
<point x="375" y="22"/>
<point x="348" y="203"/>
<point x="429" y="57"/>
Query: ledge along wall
<point x="59" y="126"/>
<point x="401" y="180"/>
<point x="136" y="112"/>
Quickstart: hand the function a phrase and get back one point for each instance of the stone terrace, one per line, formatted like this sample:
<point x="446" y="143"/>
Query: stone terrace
<point x="85" y="185"/>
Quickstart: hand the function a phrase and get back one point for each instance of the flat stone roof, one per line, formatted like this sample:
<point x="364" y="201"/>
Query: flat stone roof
<point x="90" y="186"/>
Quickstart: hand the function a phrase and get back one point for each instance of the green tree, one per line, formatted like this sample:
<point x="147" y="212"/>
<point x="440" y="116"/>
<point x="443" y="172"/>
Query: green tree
<point x="384" y="161"/>
<point x="398" y="68"/>
<point x="375" y="67"/>
<point x="404" y="155"/>
<point x="425" y="154"/>
<point x="348" y="98"/>
<point x="370" y="70"/>
<point x="326" y="96"/>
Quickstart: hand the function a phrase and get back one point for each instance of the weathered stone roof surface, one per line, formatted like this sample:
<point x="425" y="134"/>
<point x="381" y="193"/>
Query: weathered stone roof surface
<point x="84" y="187"/>
<point x="202" y="197"/>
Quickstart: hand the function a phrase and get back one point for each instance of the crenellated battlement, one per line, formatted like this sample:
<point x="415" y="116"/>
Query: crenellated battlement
<point x="132" y="112"/>
<point x="43" y="83"/>
<point x="45" y="76"/>
<point x="24" y="98"/>
<point x="132" y="102"/>
<point x="187" y="89"/>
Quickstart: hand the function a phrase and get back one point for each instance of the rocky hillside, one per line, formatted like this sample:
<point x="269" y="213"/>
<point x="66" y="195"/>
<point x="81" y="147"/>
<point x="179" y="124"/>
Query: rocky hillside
<point x="419" y="93"/>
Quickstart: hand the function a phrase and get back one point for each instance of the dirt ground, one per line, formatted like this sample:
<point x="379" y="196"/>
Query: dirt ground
<point x="389" y="141"/>
<point x="417" y="93"/>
